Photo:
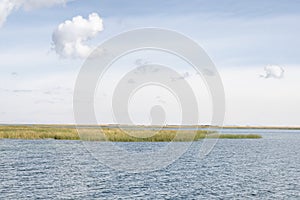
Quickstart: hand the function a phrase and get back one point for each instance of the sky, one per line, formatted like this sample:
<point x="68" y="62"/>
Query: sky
<point x="253" y="44"/>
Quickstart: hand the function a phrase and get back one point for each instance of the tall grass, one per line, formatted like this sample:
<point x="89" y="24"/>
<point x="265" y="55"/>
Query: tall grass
<point x="110" y="134"/>
<point x="239" y="136"/>
<point x="35" y="132"/>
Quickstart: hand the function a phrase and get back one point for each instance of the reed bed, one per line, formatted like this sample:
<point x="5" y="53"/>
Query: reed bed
<point x="111" y="134"/>
<point x="239" y="136"/>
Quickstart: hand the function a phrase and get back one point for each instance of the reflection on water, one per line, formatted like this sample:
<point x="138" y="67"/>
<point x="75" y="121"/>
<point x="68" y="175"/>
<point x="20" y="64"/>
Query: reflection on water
<point x="260" y="169"/>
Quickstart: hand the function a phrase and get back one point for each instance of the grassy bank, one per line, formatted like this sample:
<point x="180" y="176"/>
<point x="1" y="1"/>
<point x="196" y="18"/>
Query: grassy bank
<point x="110" y="134"/>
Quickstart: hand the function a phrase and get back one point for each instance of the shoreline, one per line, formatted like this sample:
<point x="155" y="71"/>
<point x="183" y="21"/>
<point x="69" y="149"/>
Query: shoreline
<point x="152" y="126"/>
<point x="114" y="134"/>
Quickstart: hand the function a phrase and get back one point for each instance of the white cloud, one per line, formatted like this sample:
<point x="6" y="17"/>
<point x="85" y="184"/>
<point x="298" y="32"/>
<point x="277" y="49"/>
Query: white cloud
<point x="70" y="36"/>
<point x="8" y="6"/>
<point x="273" y="71"/>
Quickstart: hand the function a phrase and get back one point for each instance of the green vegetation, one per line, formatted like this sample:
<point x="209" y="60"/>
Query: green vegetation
<point x="117" y="135"/>
<point x="110" y="134"/>
<point x="239" y="136"/>
<point x="37" y="132"/>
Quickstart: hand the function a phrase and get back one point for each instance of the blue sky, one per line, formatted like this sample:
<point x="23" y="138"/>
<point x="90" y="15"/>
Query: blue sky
<point x="256" y="31"/>
<point x="241" y="37"/>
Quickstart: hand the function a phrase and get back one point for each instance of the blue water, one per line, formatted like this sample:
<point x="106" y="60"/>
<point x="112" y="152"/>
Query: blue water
<point x="267" y="168"/>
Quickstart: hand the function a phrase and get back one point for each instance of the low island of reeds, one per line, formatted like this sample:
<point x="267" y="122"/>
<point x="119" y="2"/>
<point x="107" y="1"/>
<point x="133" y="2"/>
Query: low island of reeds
<point x="33" y="132"/>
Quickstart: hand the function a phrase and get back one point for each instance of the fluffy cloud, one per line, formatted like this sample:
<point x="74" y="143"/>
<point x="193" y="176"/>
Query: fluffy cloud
<point x="8" y="6"/>
<point x="273" y="71"/>
<point x="70" y="36"/>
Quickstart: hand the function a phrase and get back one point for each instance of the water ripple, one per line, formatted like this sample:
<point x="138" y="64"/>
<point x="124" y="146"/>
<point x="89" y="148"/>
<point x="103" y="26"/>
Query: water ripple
<point x="252" y="169"/>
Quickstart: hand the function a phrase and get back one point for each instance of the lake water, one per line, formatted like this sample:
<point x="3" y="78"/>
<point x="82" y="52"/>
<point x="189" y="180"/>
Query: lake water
<point x="267" y="168"/>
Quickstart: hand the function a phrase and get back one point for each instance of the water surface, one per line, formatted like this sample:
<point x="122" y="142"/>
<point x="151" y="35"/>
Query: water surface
<point x="265" y="168"/>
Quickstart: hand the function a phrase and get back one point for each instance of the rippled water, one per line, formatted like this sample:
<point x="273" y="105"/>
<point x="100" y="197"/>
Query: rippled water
<point x="267" y="168"/>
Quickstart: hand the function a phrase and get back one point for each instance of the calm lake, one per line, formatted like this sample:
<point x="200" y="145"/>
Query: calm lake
<point x="267" y="168"/>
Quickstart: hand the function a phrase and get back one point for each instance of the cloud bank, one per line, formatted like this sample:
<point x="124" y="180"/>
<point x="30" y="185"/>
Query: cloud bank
<point x="70" y="36"/>
<point x="8" y="6"/>
<point x="273" y="71"/>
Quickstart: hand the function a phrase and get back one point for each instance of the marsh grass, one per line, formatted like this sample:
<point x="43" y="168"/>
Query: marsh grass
<point x="110" y="134"/>
<point x="35" y="132"/>
<point x="239" y="136"/>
